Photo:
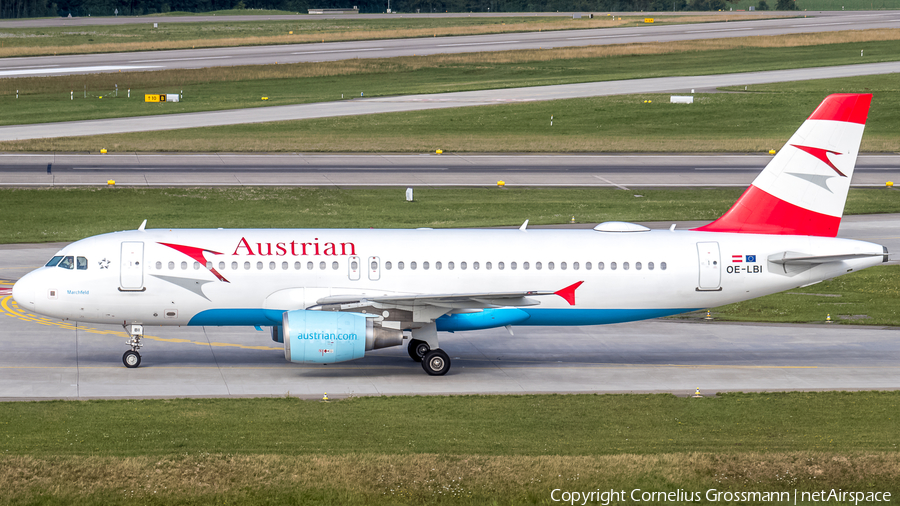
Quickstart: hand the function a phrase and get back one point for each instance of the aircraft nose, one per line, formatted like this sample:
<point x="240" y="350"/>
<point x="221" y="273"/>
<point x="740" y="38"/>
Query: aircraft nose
<point x="23" y="293"/>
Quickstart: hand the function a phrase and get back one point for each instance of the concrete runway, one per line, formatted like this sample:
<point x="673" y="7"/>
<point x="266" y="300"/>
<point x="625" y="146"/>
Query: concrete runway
<point x="354" y="107"/>
<point x="45" y="358"/>
<point x="388" y="48"/>
<point x="348" y="170"/>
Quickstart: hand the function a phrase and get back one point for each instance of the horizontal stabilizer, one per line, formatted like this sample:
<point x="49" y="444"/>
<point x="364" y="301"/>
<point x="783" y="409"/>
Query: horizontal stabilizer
<point x="794" y="258"/>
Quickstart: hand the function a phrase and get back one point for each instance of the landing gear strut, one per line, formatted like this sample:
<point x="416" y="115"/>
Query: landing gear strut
<point x="417" y="349"/>
<point x="132" y="358"/>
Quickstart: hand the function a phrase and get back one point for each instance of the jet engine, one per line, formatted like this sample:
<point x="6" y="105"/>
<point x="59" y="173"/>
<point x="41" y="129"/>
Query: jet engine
<point x="326" y="337"/>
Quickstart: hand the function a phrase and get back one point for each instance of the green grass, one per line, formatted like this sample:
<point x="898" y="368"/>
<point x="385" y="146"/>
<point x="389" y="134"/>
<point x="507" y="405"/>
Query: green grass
<point x="571" y="425"/>
<point x="868" y="297"/>
<point x="48" y="99"/>
<point x="443" y="450"/>
<point x="32" y="215"/>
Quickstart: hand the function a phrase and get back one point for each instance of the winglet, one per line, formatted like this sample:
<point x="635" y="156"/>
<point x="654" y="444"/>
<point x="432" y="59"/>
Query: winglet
<point x="568" y="292"/>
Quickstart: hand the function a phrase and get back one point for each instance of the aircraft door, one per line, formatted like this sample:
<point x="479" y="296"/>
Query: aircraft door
<point x="354" y="268"/>
<point x="131" y="269"/>
<point x="374" y="265"/>
<point x="710" y="266"/>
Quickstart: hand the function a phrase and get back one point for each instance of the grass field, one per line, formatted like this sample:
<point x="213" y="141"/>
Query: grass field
<point x="143" y="37"/>
<point x="48" y="99"/>
<point x="32" y="215"/>
<point x="443" y="450"/>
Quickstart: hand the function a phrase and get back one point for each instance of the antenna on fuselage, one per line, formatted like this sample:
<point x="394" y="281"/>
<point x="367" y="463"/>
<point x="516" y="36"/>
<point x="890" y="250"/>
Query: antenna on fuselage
<point x="144" y="224"/>
<point x="522" y="228"/>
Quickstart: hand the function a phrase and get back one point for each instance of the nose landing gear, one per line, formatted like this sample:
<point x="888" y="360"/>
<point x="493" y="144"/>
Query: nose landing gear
<point x="132" y="358"/>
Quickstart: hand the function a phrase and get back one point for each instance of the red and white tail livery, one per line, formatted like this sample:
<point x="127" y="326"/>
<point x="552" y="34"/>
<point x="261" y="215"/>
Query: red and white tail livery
<point x="331" y="295"/>
<point x="803" y="189"/>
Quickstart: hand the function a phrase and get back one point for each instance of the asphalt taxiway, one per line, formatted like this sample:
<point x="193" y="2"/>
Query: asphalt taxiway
<point x="44" y="358"/>
<point x="392" y="169"/>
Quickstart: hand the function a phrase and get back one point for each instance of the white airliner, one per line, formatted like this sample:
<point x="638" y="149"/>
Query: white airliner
<point x="330" y="295"/>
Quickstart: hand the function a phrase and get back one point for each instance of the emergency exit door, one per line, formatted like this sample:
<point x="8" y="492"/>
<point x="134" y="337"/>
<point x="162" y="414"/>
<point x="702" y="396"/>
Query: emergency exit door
<point x="131" y="269"/>
<point x="710" y="266"/>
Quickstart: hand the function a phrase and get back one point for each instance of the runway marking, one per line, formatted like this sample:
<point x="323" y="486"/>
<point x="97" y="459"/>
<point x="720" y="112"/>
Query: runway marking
<point x="100" y="68"/>
<point x="610" y="182"/>
<point x="9" y="306"/>
<point x="818" y="24"/>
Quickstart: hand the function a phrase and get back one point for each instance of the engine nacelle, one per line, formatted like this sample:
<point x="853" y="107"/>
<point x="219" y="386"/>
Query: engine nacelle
<point x="326" y="337"/>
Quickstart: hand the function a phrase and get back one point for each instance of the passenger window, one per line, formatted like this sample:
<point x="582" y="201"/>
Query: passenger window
<point x="525" y="265"/>
<point x="221" y="266"/>
<point x="650" y="265"/>
<point x="562" y="265"/>
<point x="184" y="266"/>
<point x="587" y="265"/>
<point x="297" y="266"/>
<point x="401" y="265"/>
<point x="82" y="263"/>
<point x="388" y="265"/>
<point x="171" y="265"/>
<point x="309" y="266"/>
<point x="475" y="265"/>
<point x="625" y="265"/>
<point x="412" y="265"/>
<point x="462" y="265"/>
<point x="637" y="265"/>
<point x="321" y="266"/>
<point x="335" y="265"/>
<point x="500" y="265"/>
<point x="159" y="266"/>
<point x="284" y="266"/>
<point x="538" y="265"/>
<point x="67" y="263"/>
<point x="574" y="265"/>
<point x="437" y="265"/>
<point x="425" y="265"/>
<point x="209" y="265"/>
<point x="53" y="261"/>
<point x="601" y="266"/>
<point x="512" y="265"/>
<point x="234" y="266"/>
<point x="259" y="266"/>
<point x="487" y="265"/>
<point x="612" y="265"/>
<point x="246" y="266"/>
<point x="662" y="265"/>
<point x="450" y="265"/>
<point x="196" y="266"/>
<point x="550" y="265"/>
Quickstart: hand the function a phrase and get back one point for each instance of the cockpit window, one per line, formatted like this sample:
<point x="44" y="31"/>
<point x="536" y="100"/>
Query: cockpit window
<point x="67" y="263"/>
<point x="53" y="261"/>
<point x="81" y="262"/>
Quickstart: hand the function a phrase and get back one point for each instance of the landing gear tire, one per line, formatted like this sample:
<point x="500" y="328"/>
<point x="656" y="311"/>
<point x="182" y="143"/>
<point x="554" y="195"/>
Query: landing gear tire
<point x="417" y="349"/>
<point x="131" y="359"/>
<point x="436" y="363"/>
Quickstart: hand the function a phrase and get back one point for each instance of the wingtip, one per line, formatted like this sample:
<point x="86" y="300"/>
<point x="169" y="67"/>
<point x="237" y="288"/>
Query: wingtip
<point x="568" y="293"/>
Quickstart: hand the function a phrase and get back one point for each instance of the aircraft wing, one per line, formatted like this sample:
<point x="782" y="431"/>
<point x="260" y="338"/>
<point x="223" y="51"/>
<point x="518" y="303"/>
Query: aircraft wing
<point x="442" y="303"/>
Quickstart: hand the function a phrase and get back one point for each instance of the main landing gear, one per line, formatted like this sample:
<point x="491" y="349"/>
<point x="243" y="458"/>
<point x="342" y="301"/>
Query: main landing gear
<point x="132" y="358"/>
<point x="435" y="362"/>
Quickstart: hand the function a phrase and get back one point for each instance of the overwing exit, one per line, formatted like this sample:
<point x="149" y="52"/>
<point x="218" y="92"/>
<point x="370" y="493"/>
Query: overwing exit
<point x="331" y="295"/>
